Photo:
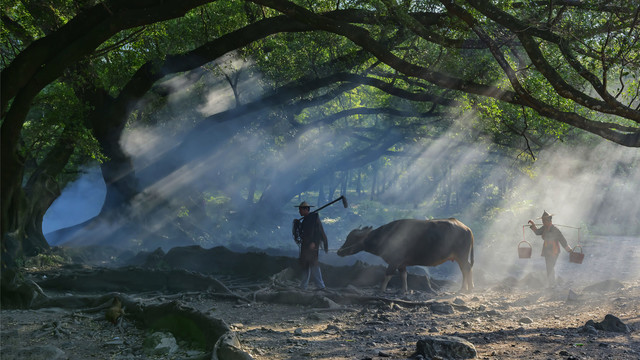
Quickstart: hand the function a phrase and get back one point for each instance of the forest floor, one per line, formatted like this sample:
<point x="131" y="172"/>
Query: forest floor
<point x="509" y="320"/>
<point x="505" y="317"/>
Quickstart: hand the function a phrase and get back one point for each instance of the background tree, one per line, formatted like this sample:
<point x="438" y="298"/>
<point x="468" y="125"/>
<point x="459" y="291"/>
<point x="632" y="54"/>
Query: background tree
<point x="371" y="85"/>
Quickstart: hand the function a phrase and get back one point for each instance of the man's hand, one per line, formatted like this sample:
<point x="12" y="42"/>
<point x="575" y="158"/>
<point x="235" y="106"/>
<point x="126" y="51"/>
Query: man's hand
<point x="312" y="246"/>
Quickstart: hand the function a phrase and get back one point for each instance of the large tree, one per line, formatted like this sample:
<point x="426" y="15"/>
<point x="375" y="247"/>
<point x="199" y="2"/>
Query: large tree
<point x="548" y="48"/>
<point x="574" y="62"/>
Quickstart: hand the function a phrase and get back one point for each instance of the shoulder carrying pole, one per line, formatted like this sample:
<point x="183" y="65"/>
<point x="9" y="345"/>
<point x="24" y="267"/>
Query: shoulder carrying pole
<point x="344" y="203"/>
<point x="296" y="222"/>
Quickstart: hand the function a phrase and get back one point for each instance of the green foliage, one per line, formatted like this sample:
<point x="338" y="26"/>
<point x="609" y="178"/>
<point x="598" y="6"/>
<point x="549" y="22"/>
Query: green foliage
<point x="59" y="116"/>
<point x="45" y="261"/>
<point x="598" y="40"/>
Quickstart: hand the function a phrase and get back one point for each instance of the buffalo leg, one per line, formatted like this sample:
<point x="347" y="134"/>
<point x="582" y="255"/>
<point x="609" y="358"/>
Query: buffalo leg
<point x="429" y="287"/>
<point x="403" y="274"/>
<point x="383" y="288"/>
<point x="467" y="280"/>
<point x="388" y="274"/>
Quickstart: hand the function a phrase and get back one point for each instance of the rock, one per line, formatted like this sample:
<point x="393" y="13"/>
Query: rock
<point x="458" y="301"/>
<point x="610" y="323"/>
<point x="531" y="299"/>
<point x="605" y="286"/>
<point x="525" y="320"/>
<point x="324" y="302"/>
<point x="589" y="329"/>
<point x="445" y="347"/>
<point x="442" y="308"/>
<point x="573" y="296"/>
<point x="228" y="348"/>
<point x="350" y="289"/>
<point x="332" y="329"/>
<point x="160" y="343"/>
<point x="532" y="281"/>
<point x="46" y="352"/>
<point x="115" y="341"/>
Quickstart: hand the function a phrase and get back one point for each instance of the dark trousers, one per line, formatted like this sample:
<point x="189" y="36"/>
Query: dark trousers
<point x="551" y="272"/>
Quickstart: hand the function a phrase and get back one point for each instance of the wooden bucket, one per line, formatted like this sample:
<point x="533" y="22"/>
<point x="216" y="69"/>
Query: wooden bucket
<point x="524" y="252"/>
<point x="576" y="257"/>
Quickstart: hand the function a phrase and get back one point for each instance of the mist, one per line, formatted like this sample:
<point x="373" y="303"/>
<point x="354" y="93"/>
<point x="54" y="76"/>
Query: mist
<point x="181" y="156"/>
<point x="591" y="188"/>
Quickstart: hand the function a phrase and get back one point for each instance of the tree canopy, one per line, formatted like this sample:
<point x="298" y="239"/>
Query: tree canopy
<point x="371" y="76"/>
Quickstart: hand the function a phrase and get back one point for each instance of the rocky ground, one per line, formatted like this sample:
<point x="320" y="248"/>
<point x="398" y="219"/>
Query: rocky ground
<point x="511" y="319"/>
<point x="505" y="317"/>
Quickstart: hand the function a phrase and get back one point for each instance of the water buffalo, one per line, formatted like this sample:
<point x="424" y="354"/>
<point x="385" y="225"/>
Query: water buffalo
<point x="407" y="242"/>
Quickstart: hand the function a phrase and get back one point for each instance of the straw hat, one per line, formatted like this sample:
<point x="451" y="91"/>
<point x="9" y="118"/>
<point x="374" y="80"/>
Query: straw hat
<point x="545" y="214"/>
<point x="304" y="204"/>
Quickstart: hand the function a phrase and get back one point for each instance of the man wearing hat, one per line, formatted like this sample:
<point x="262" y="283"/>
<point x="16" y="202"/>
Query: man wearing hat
<point x="312" y="236"/>
<point x="553" y="238"/>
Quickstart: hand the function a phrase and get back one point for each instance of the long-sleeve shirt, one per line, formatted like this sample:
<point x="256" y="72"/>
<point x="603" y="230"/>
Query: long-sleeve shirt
<point x="553" y="238"/>
<point x="312" y="232"/>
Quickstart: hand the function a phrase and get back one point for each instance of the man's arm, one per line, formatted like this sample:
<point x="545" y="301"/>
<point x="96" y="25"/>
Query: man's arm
<point x="562" y="240"/>
<point x="323" y="235"/>
<point x="535" y="229"/>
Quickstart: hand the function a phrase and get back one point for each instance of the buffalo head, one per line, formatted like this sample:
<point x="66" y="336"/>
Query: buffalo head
<point x="354" y="242"/>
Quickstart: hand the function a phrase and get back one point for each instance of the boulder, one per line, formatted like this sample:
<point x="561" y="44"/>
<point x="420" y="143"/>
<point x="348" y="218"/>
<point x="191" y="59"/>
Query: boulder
<point x="610" y="323"/>
<point x="160" y="343"/>
<point x="445" y="347"/>
<point x="605" y="286"/>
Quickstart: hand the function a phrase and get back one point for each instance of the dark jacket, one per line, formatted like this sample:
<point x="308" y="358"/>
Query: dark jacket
<point x="553" y="238"/>
<point x="311" y="232"/>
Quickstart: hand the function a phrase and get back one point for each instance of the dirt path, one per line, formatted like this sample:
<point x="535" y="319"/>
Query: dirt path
<point x="504" y="320"/>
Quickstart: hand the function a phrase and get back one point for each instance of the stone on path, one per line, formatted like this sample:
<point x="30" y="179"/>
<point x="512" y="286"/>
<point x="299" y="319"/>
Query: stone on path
<point x="445" y="347"/>
<point x="610" y="323"/>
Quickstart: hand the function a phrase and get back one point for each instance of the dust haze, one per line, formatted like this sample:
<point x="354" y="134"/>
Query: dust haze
<point x="181" y="154"/>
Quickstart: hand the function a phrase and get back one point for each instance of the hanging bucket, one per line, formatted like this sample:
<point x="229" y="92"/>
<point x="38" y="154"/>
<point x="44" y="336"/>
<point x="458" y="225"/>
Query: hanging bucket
<point x="524" y="252"/>
<point x="576" y="257"/>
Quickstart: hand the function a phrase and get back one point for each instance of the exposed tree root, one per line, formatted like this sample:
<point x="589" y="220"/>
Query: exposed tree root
<point x="184" y="322"/>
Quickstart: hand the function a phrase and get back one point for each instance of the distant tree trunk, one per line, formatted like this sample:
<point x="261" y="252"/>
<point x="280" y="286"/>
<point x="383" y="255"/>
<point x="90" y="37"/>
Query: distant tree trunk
<point x="345" y="182"/>
<point x="381" y="187"/>
<point x="253" y="182"/>
<point x="359" y="183"/>
<point x="321" y="195"/>
<point x="374" y="183"/>
<point x="447" y="186"/>
<point x="332" y="190"/>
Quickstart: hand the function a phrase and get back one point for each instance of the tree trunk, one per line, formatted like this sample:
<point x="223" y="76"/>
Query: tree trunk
<point x="321" y="195"/>
<point x="253" y="182"/>
<point x="42" y="190"/>
<point x="345" y="183"/>
<point x="107" y="121"/>
<point x="374" y="182"/>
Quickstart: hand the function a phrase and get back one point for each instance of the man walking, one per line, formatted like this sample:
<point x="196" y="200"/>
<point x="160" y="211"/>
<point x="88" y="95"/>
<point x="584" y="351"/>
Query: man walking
<point x="553" y="238"/>
<point x="312" y="236"/>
